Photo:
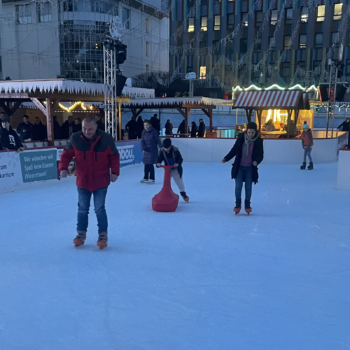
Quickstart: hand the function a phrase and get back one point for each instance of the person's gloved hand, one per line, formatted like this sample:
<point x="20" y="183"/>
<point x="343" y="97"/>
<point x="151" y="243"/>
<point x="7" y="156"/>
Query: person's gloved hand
<point x="113" y="177"/>
<point x="63" y="173"/>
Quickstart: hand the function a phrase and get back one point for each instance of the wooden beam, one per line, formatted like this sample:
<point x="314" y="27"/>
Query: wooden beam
<point x="39" y="105"/>
<point x="49" y="122"/>
<point x="188" y="111"/>
<point x="259" y="112"/>
<point x="6" y="108"/>
<point x="120" y="120"/>
<point x="206" y="112"/>
<point x="183" y="113"/>
<point x="15" y="107"/>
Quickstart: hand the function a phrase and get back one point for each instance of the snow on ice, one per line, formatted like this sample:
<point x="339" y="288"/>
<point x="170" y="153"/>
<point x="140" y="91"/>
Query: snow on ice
<point x="200" y="278"/>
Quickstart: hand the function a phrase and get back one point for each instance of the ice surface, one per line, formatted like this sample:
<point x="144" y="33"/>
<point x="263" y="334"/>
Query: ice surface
<point x="200" y="278"/>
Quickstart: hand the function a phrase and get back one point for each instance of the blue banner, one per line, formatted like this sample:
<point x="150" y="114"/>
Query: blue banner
<point x="130" y="152"/>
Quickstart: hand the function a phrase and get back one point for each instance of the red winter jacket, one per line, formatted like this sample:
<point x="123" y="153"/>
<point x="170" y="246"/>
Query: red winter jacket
<point x="94" y="162"/>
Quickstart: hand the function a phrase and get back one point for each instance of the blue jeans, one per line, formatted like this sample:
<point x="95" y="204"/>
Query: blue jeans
<point x="100" y="210"/>
<point x="307" y="152"/>
<point x="245" y="173"/>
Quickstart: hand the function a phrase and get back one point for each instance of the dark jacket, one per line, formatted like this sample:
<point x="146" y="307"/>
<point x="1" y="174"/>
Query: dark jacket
<point x="156" y="124"/>
<point x="176" y="155"/>
<point x="149" y="144"/>
<point x="56" y="130"/>
<point x="93" y="161"/>
<point x="310" y="138"/>
<point x="101" y="125"/>
<point x="39" y="132"/>
<point x="139" y="127"/>
<point x="10" y="139"/>
<point x="182" y="128"/>
<point x="236" y="151"/>
<point x="168" y="129"/>
<point x="345" y="125"/>
<point x="194" y="130"/>
<point x="131" y="126"/>
<point x="76" y="127"/>
<point x="27" y="134"/>
<point x="65" y="129"/>
<point x="201" y="129"/>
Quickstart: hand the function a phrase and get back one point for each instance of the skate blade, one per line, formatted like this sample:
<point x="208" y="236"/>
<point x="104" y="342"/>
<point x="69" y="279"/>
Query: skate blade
<point x="236" y="211"/>
<point x="102" y="245"/>
<point x="77" y="243"/>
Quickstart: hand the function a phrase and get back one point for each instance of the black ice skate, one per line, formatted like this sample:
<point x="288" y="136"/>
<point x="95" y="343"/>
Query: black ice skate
<point x="311" y="166"/>
<point x="303" y="167"/>
<point x="185" y="196"/>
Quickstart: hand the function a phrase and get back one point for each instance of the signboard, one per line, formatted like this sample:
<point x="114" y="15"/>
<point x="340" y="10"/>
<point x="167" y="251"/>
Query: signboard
<point x="10" y="170"/>
<point x="38" y="165"/>
<point x="130" y="152"/>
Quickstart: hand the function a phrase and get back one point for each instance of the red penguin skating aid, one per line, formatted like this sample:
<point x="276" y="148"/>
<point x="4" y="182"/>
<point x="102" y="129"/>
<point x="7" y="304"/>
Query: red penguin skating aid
<point x="166" y="200"/>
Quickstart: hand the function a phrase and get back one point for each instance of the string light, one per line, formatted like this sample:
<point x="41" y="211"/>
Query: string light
<point x="72" y="107"/>
<point x="275" y="86"/>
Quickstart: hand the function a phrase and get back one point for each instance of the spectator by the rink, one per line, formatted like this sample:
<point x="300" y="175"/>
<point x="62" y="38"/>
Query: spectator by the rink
<point x="56" y="129"/>
<point x="155" y="122"/>
<point x="67" y="128"/>
<point x="182" y="128"/>
<point x="194" y="130"/>
<point x="9" y="138"/>
<point x="131" y="127"/>
<point x="139" y="127"/>
<point x="168" y="128"/>
<point x="100" y="123"/>
<point x="345" y="125"/>
<point x="201" y="129"/>
<point x="77" y="125"/>
<point x="24" y="129"/>
<point x="39" y="130"/>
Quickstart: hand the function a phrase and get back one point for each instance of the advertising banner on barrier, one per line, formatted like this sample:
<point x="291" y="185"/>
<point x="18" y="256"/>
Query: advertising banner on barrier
<point x="130" y="152"/>
<point x="39" y="165"/>
<point x="10" y="170"/>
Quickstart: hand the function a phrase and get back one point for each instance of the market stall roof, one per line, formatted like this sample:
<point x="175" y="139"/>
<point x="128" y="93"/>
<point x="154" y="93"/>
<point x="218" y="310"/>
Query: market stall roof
<point x="177" y="102"/>
<point x="306" y="101"/>
<point x="68" y="90"/>
<point x="270" y="100"/>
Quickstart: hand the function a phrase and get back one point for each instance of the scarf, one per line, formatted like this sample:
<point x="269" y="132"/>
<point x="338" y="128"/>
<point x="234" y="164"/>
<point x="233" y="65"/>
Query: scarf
<point x="247" y="142"/>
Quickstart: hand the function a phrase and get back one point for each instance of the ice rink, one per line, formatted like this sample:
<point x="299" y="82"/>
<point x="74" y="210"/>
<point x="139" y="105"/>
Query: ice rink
<point x="197" y="279"/>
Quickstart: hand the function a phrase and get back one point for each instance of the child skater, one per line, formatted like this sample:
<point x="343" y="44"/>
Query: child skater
<point x="170" y="155"/>
<point x="307" y="142"/>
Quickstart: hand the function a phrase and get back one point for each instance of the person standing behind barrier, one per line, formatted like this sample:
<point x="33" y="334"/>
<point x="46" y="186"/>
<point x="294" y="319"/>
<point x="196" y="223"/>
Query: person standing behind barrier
<point x="39" y="130"/>
<point x="155" y="122"/>
<point x="345" y="125"/>
<point x="307" y="142"/>
<point x="149" y="144"/>
<point x="249" y="153"/>
<point x="168" y="128"/>
<point x="201" y="129"/>
<point x="97" y="164"/>
<point x="67" y="128"/>
<point x="139" y="127"/>
<point x="24" y="129"/>
<point x="9" y="138"/>
<point x="194" y="130"/>
<point x="182" y="129"/>
<point x="131" y="127"/>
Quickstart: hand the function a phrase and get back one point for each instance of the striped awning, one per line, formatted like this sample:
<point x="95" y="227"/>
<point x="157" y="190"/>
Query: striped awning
<point x="270" y="100"/>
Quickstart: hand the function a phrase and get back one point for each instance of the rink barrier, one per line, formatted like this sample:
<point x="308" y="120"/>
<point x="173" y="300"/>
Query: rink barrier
<point x="343" y="182"/>
<point x="41" y="163"/>
<point x="276" y="151"/>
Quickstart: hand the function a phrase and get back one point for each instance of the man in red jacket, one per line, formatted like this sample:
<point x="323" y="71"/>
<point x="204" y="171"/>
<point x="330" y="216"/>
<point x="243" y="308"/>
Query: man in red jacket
<point x="97" y="164"/>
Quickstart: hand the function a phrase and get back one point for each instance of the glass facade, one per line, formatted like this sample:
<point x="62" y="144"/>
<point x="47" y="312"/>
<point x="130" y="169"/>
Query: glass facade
<point x="81" y="41"/>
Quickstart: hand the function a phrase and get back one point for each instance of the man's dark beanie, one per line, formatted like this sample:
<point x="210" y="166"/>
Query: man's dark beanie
<point x="252" y="125"/>
<point x="167" y="143"/>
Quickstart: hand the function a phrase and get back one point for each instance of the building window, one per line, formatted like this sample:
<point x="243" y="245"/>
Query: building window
<point x="335" y="39"/>
<point x="318" y="40"/>
<point x="147" y="25"/>
<point x="230" y="21"/>
<point x="316" y="64"/>
<point x="273" y="19"/>
<point x="321" y="10"/>
<point x="245" y="19"/>
<point x="287" y="41"/>
<point x="257" y="46"/>
<point x="272" y="43"/>
<point x="147" y="48"/>
<point x="289" y="16"/>
<point x="126" y="18"/>
<point x="304" y="14"/>
<point x="337" y="11"/>
<point x="302" y="41"/>
<point x="190" y="25"/>
<point x="44" y="12"/>
<point x="347" y="67"/>
<point x="216" y="22"/>
<point x="204" y="24"/>
<point x="301" y="64"/>
<point x="258" y="18"/>
<point x="202" y="72"/>
<point x="243" y="45"/>
<point x="286" y="70"/>
<point x="24" y="14"/>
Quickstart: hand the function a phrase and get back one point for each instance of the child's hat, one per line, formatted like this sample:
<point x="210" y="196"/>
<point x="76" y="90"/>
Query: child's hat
<point x="305" y="126"/>
<point x="167" y="143"/>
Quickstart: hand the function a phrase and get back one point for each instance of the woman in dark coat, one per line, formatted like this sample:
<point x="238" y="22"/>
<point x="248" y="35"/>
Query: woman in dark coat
<point x="194" y="130"/>
<point x="149" y="144"/>
<point x="168" y="128"/>
<point x="139" y="127"/>
<point x="249" y="153"/>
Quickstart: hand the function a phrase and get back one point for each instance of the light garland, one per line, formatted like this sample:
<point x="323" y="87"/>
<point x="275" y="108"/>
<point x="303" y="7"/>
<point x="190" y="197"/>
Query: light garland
<point x="76" y="104"/>
<point x="274" y="87"/>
